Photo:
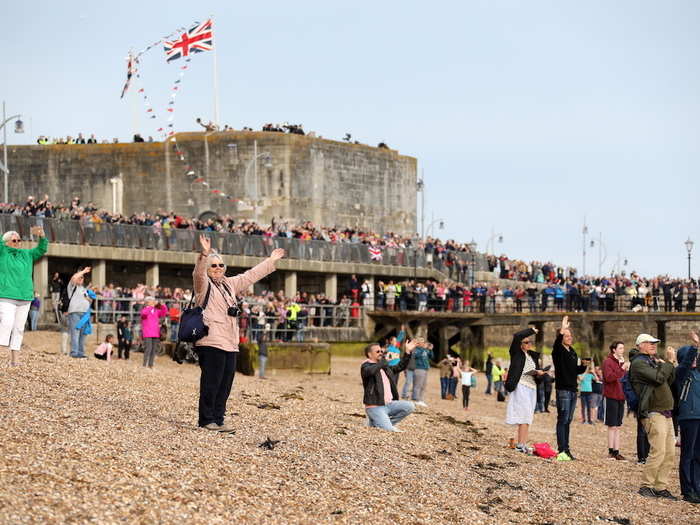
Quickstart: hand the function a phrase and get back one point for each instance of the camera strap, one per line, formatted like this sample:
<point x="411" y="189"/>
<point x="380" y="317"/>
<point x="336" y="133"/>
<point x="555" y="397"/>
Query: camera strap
<point x="228" y="292"/>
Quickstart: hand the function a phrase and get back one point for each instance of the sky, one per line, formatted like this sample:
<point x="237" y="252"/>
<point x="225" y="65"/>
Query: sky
<point x="525" y="116"/>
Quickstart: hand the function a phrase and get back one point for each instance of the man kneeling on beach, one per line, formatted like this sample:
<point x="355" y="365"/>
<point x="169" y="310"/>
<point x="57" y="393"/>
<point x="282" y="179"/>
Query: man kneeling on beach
<point x="381" y="398"/>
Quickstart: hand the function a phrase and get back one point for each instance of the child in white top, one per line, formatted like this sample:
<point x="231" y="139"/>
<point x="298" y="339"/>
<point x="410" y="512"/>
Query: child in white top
<point x="467" y="373"/>
<point x="104" y="350"/>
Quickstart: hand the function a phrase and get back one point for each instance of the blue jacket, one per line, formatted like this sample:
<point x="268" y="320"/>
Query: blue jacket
<point x="687" y="384"/>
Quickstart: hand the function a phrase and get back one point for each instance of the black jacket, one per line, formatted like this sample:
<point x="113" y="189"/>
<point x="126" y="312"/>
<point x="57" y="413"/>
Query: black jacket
<point x="517" y="359"/>
<point x="372" y="379"/>
<point x="566" y="367"/>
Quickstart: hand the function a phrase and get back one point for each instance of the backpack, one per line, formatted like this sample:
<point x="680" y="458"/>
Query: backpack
<point x="543" y="450"/>
<point x="630" y="395"/>
<point x="192" y="327"/>
<point x="64" y="299"/>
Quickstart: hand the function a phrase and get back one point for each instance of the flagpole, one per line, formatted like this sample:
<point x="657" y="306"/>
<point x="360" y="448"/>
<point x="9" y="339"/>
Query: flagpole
<point x="217" y="118"/>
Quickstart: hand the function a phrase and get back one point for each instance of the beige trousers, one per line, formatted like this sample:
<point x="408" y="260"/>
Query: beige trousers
<point x="662" y="453"/>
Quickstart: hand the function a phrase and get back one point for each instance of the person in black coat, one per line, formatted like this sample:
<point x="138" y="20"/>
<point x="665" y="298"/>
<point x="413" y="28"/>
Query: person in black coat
<point x="381" y="397"/>
<point x="521" y="384"/>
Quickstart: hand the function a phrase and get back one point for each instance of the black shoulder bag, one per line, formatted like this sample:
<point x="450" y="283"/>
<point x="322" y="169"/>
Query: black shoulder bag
<point x="192" y="327"/>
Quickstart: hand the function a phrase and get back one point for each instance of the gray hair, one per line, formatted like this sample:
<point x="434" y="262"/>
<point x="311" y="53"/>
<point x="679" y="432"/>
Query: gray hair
<point x="214" y="255"/>
<point x="8" y="235"/>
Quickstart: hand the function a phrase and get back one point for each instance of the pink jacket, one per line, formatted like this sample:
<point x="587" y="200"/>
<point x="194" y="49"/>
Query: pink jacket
<point x="223" y="329"/>
<point x="150" y="320"/>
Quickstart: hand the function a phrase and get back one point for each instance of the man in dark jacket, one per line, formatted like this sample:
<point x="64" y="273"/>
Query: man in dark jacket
<point x="651" y="378"/>
<point x="381" y="397"/>
<point x="566" y="370"/>
<point x="688" y="386"/>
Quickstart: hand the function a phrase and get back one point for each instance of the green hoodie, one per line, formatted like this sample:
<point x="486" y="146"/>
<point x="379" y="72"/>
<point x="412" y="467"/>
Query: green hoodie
<point x="16" y="266"/>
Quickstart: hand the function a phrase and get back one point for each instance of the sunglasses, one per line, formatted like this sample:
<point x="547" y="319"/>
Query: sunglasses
<point x="15" y="240"/>
<point x="221" y="265"/>
<point x="526" y="342"/>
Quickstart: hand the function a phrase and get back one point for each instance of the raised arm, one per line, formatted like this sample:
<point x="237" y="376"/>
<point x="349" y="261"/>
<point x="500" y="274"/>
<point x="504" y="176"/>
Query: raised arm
<point x="78" y="275"/>
<point x="689" y="354"/>
<point x="40" y="249"/>
<point x="199" y="275"/>
<point x="519" y="336"/>
<point x="242" y="282"/>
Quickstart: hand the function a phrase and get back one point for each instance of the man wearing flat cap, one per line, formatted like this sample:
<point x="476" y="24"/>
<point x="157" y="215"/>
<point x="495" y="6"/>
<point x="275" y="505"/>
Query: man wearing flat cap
<point x="651" y="378"/>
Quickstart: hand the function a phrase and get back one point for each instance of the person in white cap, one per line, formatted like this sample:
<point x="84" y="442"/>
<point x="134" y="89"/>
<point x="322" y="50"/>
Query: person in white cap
<point x="651" y="378"/>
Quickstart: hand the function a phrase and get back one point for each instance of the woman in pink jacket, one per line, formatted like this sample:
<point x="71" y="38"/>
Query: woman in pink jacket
<point x="151" y="315"/>
<point x="219" y="348"/>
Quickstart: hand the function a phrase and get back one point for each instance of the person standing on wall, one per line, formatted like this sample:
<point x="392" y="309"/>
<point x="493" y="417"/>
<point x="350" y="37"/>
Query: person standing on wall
<point x="17" y="287"/>
<point x="218" y="349"/>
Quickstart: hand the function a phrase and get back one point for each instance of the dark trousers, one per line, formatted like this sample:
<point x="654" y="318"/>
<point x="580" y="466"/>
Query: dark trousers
<point x="586" y="405"/>
<point x="566" y="407"/>
<point x="444" y="387"/>
<point x="218" y="368"/>
<point x="123" y="349"/>
<point x="453" y="386"/>
<point x="642" y="442"/>
<point x="465" y="396"/>
<point x="689" y="468"/>
<point x="489" y="382"/>
<point x="547" y="397"/>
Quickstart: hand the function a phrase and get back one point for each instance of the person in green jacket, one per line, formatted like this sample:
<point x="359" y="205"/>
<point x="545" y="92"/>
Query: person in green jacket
<point x="17" y="287"/>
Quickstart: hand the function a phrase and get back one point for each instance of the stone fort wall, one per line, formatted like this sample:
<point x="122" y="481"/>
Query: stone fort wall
<point x="328" y="182"/>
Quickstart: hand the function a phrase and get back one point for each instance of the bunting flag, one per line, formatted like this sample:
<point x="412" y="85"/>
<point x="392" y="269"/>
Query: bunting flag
<point x="130" y="69"/>
<point x="198" y="39"/>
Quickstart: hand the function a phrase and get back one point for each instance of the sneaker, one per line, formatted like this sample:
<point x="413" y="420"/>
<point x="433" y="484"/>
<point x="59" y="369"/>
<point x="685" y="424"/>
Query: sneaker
<point x="665" y="494"/>
<point x="571" y="456"/>
<point x="620" y="457"/>
<point x="420" y="403"/>
<point x="611" y="455"/>
<point x="648" y="492"/>
<point x="212" y="426"/>
<point x="563" y="456"/>
<point x="397" y="430"/>
<point x="226" y="429"/>
<point x="641" y="462"/>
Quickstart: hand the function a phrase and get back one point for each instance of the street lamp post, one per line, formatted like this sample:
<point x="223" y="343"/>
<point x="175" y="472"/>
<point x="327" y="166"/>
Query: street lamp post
<point x="420" y="186"/>
<point x="254" y="163"/>
<point x="19" y="128"/>
<point x="472" y="252"/>
<point x="441" y="225"/>
<point x="689" y="246"/>
<point x="491" y="242"/>
<point x="585" y="232"/>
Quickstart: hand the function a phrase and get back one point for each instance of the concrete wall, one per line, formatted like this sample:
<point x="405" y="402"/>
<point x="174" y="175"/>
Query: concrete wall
<point x="329" y="182"/>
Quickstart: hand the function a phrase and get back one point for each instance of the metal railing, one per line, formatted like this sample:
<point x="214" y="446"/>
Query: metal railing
<point x="458" y="265"/>
<point x="276" y="326"/>
<point x="508" y="305"/>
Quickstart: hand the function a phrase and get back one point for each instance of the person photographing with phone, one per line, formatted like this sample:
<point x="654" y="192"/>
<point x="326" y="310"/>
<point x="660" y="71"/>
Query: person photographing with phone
<point x="381" y="397"/>
<point x="651" y="378"/>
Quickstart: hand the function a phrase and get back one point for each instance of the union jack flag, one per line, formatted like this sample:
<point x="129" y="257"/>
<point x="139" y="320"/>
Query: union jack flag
<point x="196" y="40"/>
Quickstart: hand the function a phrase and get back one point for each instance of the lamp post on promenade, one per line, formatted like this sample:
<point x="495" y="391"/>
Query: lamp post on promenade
<point x="689" y="246"/>
<point x="472" y="253"/>
<point x="19" y="128"/>
<point x="267" y="157"/>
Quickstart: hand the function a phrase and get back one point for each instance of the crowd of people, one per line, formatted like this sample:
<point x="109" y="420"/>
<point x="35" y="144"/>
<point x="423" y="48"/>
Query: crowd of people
<point x="663" y="394"/>
<point x="617" y="293"/>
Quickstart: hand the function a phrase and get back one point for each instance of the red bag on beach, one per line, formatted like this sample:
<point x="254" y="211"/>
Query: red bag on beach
<point x="543" y="450"/>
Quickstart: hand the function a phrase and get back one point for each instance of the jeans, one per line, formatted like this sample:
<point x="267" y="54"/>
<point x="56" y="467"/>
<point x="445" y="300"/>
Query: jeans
<point x="489" y="383"/>
<point x="407" y="384"/>
<point x="420" y="377"/>
<point x="174" y="326"/>
<point x="34" y="319"/>
<point x="689" y="468"/>
<point x="262" y="362"/>
<point x="586" y="405"/>
<point x="453" y="386"/>
<point x="539" y="407"/>
<point x="218" y="369"/>
<point x="77" y="337"/>
<point x="566" y="407"/>
<point x="444" y="387"/>
<point x="598" y="403"/>
<point x="385" y="417"/>
<point x="498" y="386"/>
